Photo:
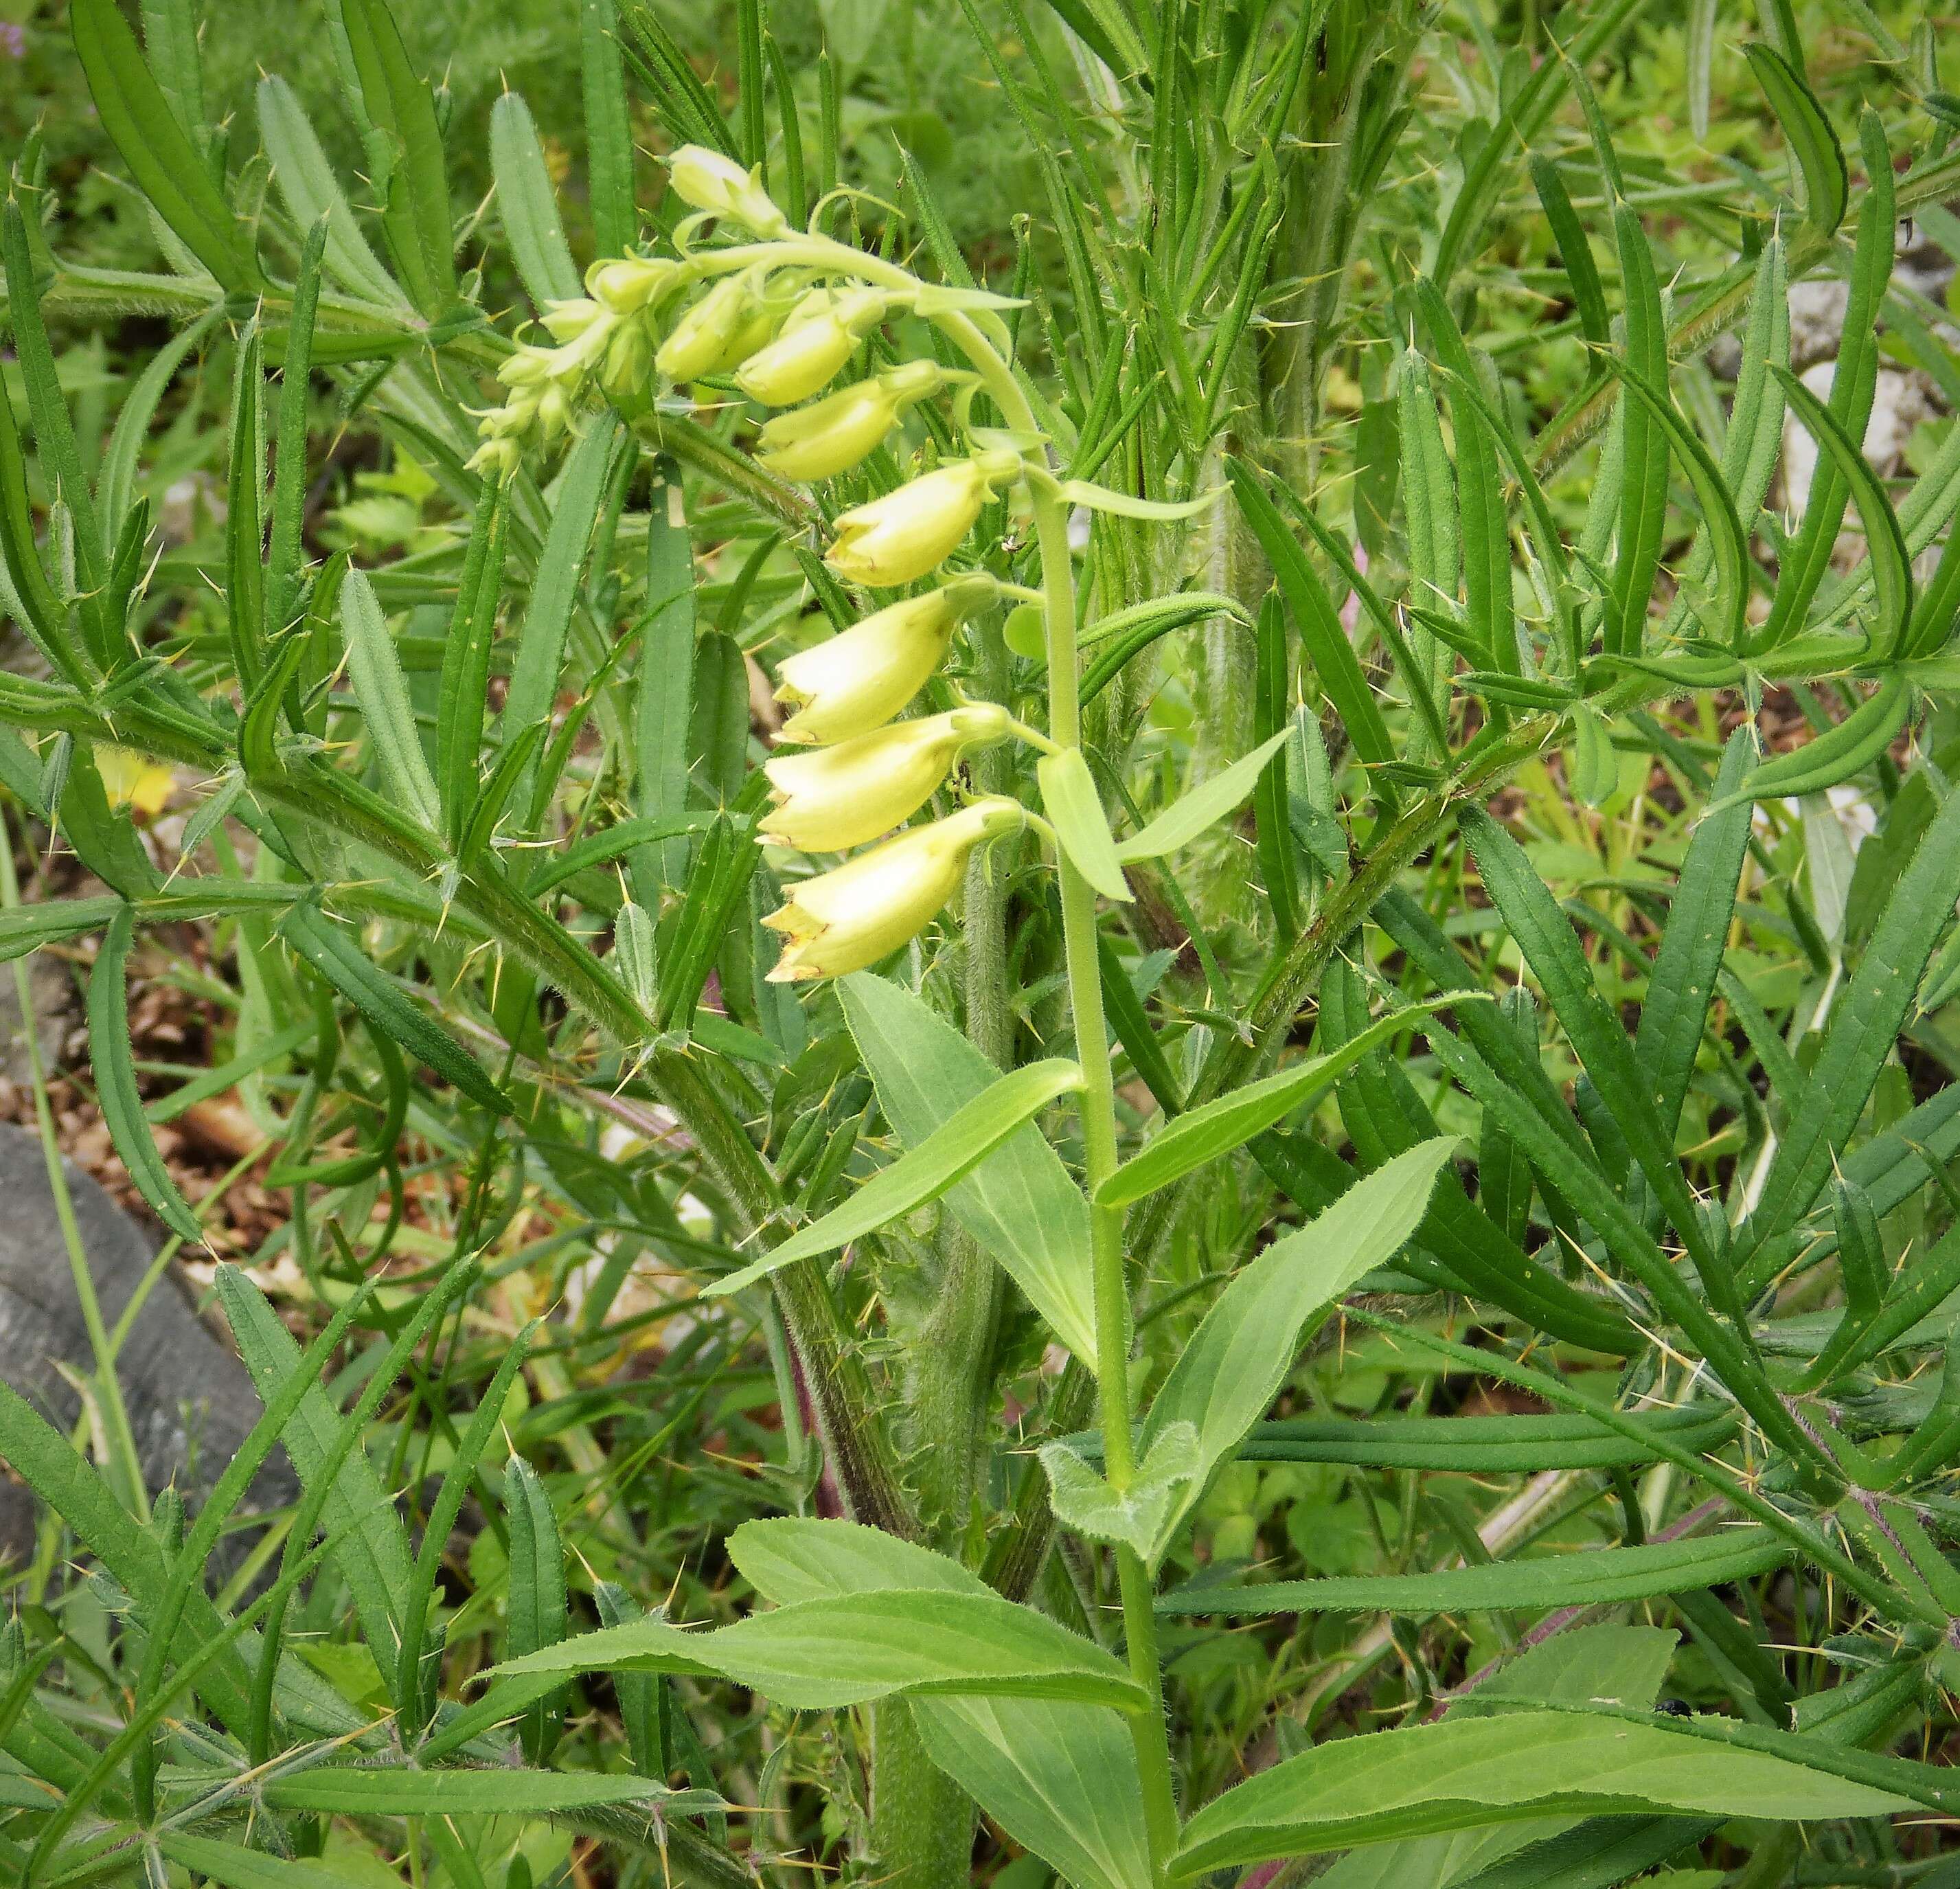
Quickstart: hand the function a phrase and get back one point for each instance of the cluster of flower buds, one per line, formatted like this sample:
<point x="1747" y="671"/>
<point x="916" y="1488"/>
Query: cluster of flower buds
<point x="604" y="338"/>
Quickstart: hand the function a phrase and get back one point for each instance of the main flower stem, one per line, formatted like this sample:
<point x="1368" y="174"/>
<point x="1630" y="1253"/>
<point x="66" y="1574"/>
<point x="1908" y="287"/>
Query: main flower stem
<point x="1147" y="1728"/>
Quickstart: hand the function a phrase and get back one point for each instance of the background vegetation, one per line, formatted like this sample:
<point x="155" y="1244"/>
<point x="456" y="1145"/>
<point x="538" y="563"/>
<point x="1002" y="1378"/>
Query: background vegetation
<point x="1654" y="1409"/>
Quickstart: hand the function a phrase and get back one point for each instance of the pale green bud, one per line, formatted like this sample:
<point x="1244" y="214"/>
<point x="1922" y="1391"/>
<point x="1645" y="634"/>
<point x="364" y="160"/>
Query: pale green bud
<point x="904" y="534"/>
<point x="821" y="334"/>
<point x="528" y="367"/>
<point x="566" y="321"/>
<point x="707" y="180"/>
<point x="841" y="921"/>
<point x="630" y="283"/>
<point x="859" y="679"/>
<point x="832" y="436"/>
<point x="842" y="796"/>
<point x="720" y="331"/>
<point x="629" y="354"/>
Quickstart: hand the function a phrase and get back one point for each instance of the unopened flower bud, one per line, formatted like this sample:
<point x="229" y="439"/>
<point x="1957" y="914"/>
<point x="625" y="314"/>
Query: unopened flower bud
<point x="842" y="921"/>
<point x="903" y="535"/>
<point x="554" y="413"/>
<point x="566" y="321"/>
<point x="820" y="336"/>
<point x="832" y="436"/>
<point x="842" y="796"/>
<point x="859" y="679"/>
<point x="720" y="331"/>
<point x="528" y="367"/>
<point x="708" y="181"/>
<point x="498" y="457"/>
<point x="629" y="353"/>
<point x="630" y="283"/>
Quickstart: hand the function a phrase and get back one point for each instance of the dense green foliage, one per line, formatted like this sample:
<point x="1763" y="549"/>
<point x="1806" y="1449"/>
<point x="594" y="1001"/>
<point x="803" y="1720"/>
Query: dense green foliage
<point x="1347" y="1250"/>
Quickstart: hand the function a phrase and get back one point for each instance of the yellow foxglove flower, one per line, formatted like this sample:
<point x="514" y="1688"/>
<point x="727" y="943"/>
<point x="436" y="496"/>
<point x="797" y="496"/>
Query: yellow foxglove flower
<point x="830" y="436"/>
<point x="859" y="679"/>
<point x="844" y="920"/>
<point x="708" y="181"/>
<point x="903" y="535"/>
<point x="821" y="334"/>
<point x="720" y="331"/>
<point x="842" y="796"/>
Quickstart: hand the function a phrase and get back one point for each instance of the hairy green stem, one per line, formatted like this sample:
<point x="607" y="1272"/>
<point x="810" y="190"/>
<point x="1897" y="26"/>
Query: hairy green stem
<point x="1147" y="1728"/>
<point x="921" y="1821"/>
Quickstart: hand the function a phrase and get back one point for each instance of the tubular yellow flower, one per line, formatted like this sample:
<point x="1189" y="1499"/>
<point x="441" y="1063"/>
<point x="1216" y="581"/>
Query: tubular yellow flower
<point x="710" y="181"/>
<point x="859" y="679"/>
<point x="901" y="535"/>
<point x="821" y="441"/>
<point x="720" y="331"/>
<point x="842" y="796"/>
<point x="822" y="333"/>
<point x="844" y="920"/>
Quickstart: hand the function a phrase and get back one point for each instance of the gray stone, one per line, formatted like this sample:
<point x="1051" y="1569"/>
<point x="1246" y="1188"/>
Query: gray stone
<point x="51" y="989"/>
<point x="189" y="1398"/>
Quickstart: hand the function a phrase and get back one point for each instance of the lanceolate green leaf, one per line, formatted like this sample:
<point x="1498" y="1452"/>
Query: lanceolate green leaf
<point x="373" y="1556"/>
<point x="1813" y="145"/>
<point x="1806" y="558"/>
<point x="1676" y="1008"/>
<point x="1487" y="540"/>
<point x="1482" y="1445"/>
<point x="341" y="1791"/>
<point x="380" y="689"/>
<point x="1463" y="1773"/>
<point x="1019" y="1202"/>
<point x="1238" y="1357"/>
<point x="581" y="491"/>
<point x="526" y="203"/>
<point x="1205" y="1133"/>
<point x="1319" y="624"/>
<point x="1644" y="445"/>
<point x="1844" y="750"/>
<point x="1075" y="810"/>
<point x="405" y="153"/>
<point x="537" y="1599"/>
<point x="1060" y="1778"/>
<point x="307" y="182"/>
<point x="921" y="1174"/>
<point x="1891" y="564"/>
<point x="327" y="948"/>
<point x="609" y="138"/>
<point x="1551" y="948"/>
<point x="113" y="1063"/>
<point x="849" y="1649"/>
<point x="1591" y="1577"/>
<point x="1729" y="619"/>
<point x="1203" y="807"/>
<point x="1862" y="1030"/>
<point x="160" y="156"/>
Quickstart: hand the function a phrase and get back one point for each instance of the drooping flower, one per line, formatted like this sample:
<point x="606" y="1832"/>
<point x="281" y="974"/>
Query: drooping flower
<point x="844" y="920"/>
<point x="720" y="331"/>
<point x="903" y="535"/>
<point x="863" y="676"/>
<point x="838" y="797"/>
<point x="834" y="434"/>
<point x="821" y="334"/>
